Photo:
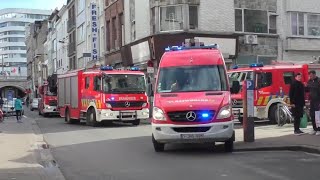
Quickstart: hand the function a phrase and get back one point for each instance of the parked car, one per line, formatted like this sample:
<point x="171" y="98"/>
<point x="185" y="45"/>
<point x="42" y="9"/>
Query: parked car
<point x="8" y="108"/>
<point x="34" y="104"/>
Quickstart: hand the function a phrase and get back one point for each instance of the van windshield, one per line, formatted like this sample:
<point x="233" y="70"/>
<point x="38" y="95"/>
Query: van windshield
<point x="192" y="79"/>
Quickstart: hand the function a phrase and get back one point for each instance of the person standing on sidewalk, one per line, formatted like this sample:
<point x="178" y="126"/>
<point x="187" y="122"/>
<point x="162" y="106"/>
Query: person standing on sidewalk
<point x="18" y="108"/>
<point x="313" y="87"/>
<point x="297" y="101"/>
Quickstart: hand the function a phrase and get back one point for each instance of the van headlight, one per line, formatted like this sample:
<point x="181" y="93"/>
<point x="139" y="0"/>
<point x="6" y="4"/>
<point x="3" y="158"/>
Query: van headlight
<point x="158" y="114"/>
<point x="225" y="112"/>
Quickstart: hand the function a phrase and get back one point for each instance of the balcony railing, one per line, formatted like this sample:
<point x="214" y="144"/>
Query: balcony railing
<point x="71" y="48"/>
<point x="71" y="24"/>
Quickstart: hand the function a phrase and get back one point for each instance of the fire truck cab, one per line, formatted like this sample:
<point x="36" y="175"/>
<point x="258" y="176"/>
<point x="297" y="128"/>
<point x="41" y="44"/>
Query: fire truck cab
<point x="103" y="95"/>
<point x="192" y="102"/>
<point x="272" y="84"/>
<point x="48" y="100"/>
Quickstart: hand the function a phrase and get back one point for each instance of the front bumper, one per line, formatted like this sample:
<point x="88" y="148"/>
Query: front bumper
<point x="169" y="133"/>
<point x="128" y="115"/>
<point x="51" y="110"/>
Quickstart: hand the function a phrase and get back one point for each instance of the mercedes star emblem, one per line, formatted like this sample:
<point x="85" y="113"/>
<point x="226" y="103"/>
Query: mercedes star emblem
<point x="234" y="102"/>
<point x="127" y="104"/>
<point x="191" y="116"/>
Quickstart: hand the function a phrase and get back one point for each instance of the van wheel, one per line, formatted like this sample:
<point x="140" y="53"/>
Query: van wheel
<point x="136" y="122"/>
<point x="92" y="118"/>
<point x="273" y="114"/>
<point x="228" y="146"/>
<point x="39" y="112"/>
<point x="158" y="147"/>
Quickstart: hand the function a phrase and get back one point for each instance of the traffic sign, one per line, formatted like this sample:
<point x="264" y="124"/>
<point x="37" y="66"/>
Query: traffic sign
<point x="250" y="98"/>
<point x="150" y="70"/>
<point x="10" y="95"/>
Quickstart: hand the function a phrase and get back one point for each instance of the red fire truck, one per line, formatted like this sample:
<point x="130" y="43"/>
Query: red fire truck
<point x="272" y="85"/>
<point x="48" y="100"/>
<point x="103" y="95"/>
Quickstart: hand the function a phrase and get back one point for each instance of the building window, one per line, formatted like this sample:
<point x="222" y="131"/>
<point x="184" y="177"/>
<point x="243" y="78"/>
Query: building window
<point x="81" y="6"/>
<point x="132" y="20"/>
<point x="193" y="17"/>
<point x="171" y="18"/>
<point x="81" y="34"/>
<point x="114" y="33"/>
<point x="297" y="24"/>
<point x="108" y="40"/>
<point x="313" y="24"/>
<point x="255" y="21"/>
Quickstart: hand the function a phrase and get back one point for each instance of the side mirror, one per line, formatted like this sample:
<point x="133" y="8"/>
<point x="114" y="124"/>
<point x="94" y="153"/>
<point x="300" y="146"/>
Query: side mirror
<point x="235" y="87"/>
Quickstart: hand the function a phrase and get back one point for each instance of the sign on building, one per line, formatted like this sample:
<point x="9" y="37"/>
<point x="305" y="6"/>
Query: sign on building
<point x="94" y="32"/>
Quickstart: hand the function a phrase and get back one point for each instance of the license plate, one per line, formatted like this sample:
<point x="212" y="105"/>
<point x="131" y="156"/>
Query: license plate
<point x="192" y="136"/>
<point x="127" y="113"/>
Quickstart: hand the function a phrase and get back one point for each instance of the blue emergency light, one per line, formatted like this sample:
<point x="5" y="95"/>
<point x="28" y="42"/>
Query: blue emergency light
<point x="134" y="69"/>
<point x="106" y="68"/>
<point x="179" y="48"/>
<point x="235" y="67"/>
<point x="256" y="65"/>
<point x="205" y="115"/>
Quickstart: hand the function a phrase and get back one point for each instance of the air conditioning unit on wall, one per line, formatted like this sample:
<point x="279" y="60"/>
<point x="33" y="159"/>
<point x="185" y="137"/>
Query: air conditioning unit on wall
<point x="250" y="39"/>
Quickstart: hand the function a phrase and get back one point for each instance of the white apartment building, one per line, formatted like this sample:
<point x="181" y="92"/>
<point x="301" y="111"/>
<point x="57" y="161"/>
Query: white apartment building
<point x="84" y="31"/>
<point x="300" y="36"/>
<point x="12" y="39"/>
<point x="62" y="62"/>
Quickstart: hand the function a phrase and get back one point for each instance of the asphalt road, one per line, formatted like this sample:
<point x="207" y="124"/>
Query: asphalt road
<point x="123" y="152"/>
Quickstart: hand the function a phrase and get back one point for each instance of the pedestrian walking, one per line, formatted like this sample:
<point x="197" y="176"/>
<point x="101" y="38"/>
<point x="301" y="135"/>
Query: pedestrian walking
<point x="27" y="101"/>
<point x="1" y="102"/>
<point x="313" y="87"/>
<point x="18" y="108"/>
<point x="297" y="101"/>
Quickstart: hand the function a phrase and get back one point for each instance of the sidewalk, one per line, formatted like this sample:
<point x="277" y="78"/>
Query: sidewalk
<point x="279" y="138"/>
<point x="21" y="152"/>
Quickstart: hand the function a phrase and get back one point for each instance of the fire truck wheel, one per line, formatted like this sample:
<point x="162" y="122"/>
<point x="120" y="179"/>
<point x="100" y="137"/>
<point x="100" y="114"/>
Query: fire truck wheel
<point x="158" y="147"/>
<point x="272" y="114"/>
<point x="136" y="122"/>
<point x="68" y="118"/>
<point x="92" y="118"/>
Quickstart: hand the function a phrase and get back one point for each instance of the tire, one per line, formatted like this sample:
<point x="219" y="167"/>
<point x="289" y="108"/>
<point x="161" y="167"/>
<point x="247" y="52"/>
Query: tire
<point x="67" y="118"/>
<point x="228" y="146"/>
<point x="158" y="147"/>
<point x="272" y="114"/>
<point x="136" y="122"/>
<point x="40" y="112"/>
<point x="31" y="109"/>
<point x="92" y="118"/>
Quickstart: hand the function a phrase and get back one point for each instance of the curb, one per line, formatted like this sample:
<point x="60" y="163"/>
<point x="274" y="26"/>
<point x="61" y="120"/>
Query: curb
<point x="297" y="148"/>
<point x="44" y="156"/>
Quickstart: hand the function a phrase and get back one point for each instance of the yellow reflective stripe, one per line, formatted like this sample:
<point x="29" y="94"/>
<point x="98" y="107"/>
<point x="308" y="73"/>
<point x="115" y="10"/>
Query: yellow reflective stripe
<point x="260" y="100"/>
<point x="266" y="100"/>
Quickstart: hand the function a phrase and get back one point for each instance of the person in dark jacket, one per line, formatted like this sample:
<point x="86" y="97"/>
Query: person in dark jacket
<point x="297" y="101"/>
<point x="313" y="87"/>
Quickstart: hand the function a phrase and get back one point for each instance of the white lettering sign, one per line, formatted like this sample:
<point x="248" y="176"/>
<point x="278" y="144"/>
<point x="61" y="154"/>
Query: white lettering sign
<point x="94" y="32"/>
